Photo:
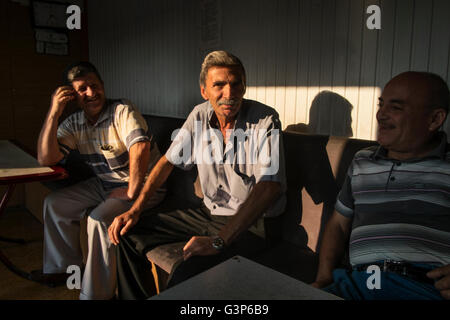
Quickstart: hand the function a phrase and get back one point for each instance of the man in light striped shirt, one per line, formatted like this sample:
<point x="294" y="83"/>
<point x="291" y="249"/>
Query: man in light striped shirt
<point x="394" y="208"/>
<point x="113" y="140"/>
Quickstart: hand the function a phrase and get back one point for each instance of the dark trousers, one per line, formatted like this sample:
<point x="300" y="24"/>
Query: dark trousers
<point x="135" y="278"/>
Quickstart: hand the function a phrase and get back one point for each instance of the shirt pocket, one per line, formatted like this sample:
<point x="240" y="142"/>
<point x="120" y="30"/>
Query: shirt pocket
<point x="240" y="186"/>
<point x="116" y="159"/>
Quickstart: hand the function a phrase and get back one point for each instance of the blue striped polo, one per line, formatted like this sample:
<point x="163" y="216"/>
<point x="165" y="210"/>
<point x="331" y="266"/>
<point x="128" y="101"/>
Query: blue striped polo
<point x="400" y="209"/>
<point x="104" y="145"/>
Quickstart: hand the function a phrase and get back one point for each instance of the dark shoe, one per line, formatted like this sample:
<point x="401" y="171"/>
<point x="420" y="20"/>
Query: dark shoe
<point x="50" y="279"/>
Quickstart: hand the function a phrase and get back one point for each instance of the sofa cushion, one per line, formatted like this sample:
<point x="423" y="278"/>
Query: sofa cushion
<point x="167" y="256"/>
<point x="310" y="182"/>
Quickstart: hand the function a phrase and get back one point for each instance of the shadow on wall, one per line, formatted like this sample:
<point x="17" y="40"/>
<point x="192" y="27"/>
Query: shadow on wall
<point x="330" y="114"/>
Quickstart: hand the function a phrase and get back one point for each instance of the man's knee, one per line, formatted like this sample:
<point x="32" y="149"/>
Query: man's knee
<point x="95" y="218"/>
<point x="51" y="203"/>
<point x="101" y="215"/>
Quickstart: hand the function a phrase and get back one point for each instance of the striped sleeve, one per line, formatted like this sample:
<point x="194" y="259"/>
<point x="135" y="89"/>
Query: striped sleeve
<point x="66" y="137"/>
<point x="345" y="203"/>
<point x="131" y="124"/>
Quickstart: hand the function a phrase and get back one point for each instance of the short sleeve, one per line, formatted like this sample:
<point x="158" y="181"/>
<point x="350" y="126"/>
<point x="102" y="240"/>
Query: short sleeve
<point x="270" y="165"/>
<point x="345" y="202"/>
<point x="132" y="127"/>
<point x="180" y="152"/>
<point x="66" y="137"/>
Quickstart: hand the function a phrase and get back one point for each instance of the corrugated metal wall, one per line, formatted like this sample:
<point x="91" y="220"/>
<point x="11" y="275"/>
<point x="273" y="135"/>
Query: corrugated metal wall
<point x="315" y="61"/>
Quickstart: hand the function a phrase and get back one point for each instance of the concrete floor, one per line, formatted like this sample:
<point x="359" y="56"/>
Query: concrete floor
<point x="19" y="223"/>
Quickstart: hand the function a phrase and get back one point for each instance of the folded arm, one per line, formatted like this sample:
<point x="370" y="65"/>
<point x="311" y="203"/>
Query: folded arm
<point x="259" y="200"/>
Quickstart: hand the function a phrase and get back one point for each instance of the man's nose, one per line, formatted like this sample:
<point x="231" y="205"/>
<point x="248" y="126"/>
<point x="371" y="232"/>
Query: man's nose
<point x="89" y="91"/>
<point x="227" y="91"/>
<point x="381" y="114"/>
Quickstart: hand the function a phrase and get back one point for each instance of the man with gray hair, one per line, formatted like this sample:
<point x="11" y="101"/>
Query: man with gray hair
<point x="112" y="138"/>
<point x="236" y="145"/>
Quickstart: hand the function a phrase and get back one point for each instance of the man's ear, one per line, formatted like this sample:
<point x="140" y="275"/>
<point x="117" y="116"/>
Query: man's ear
<point x="437" y="119"/>
<point x="203" y="92"/>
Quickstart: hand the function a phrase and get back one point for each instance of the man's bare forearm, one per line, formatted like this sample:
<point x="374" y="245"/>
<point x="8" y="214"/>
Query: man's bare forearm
<point x="139" y="154"/>
<point x="48" y="148"/>
<point x="260" y="199"/>
<point x="334" y="244"/>
<point x="157" y="177"/>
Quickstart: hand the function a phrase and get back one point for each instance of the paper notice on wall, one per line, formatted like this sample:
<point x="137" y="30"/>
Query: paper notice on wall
<point x="51" y="42"/>
<point x="211" y="26"/>
<point x="51" y="36"/>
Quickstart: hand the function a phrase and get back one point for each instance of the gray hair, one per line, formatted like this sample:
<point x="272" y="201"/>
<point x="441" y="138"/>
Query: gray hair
<point x="221" y="59"/>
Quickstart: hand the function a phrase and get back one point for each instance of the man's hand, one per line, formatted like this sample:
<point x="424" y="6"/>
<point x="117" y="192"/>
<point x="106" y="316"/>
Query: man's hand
<point x="48" y="152"/>
<point x="322" y="283"/>
<point x="120" y="193"/>
<point x="121" y="224"/>
<point x="60" y="97"/>
<point x="199" y="246"/>
<point x="442" y="275"/>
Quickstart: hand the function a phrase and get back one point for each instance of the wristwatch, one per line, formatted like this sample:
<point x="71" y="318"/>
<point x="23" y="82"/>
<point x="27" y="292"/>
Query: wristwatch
<point x="218" y="243"/>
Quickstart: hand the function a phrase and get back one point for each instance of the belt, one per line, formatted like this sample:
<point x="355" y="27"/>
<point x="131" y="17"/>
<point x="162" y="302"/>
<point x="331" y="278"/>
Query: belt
<point x="399" y="267"/>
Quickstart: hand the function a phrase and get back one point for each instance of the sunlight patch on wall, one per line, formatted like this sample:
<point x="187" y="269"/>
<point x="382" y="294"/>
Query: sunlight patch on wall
<point x="339" y="111"/>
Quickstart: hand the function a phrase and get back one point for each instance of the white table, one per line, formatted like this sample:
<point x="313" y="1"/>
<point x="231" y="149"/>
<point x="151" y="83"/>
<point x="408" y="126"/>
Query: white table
<point x="241" y="279"/>
<point x="18" y="166"/>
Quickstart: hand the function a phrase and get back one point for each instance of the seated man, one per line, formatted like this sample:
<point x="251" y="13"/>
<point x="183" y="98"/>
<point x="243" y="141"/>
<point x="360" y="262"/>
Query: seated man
<point x="111" y="137"/>
<point x="394" y="208"/>
<point x="229" y="139"/>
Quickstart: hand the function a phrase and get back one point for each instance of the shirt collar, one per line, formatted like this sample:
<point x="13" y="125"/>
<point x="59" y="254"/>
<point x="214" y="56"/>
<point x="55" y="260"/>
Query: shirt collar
<point x="214" y="122"/>
<point x="104" y="115"/>
<point x="439" y="152"/>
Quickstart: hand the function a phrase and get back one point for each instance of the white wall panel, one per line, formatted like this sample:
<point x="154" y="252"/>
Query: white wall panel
<point x="148" y="52"/>
<point x="315" y="61"/>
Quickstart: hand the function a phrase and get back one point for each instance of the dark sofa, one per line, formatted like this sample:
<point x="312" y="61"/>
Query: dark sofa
<point x="316" y="167"/>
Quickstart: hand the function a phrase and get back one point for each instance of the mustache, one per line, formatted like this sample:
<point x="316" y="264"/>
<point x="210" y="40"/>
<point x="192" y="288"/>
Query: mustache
<point x="385" y="125"/>
<point x="231" y="102"/>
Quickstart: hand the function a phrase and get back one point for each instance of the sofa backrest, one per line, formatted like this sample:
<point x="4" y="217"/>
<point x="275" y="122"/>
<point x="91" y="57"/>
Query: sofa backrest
<point x="316" y="167"/>
<point x="182" y="184"/>
<point x="307" y="168"/>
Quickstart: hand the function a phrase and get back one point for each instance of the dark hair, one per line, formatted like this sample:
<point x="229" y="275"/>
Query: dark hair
<point x="77" y="70"/>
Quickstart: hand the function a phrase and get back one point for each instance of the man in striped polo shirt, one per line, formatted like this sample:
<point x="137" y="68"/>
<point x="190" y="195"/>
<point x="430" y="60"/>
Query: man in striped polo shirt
<point x="113" y="140"/>
<point x="394" y="208"/>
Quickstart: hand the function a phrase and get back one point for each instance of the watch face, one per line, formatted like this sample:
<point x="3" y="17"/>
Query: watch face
<point x="218" y="243"/>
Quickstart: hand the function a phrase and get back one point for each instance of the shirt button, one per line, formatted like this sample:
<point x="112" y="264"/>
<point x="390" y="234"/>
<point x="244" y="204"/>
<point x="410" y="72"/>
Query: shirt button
<point x="220" y="187"/>
<point x="392" y="178"/>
